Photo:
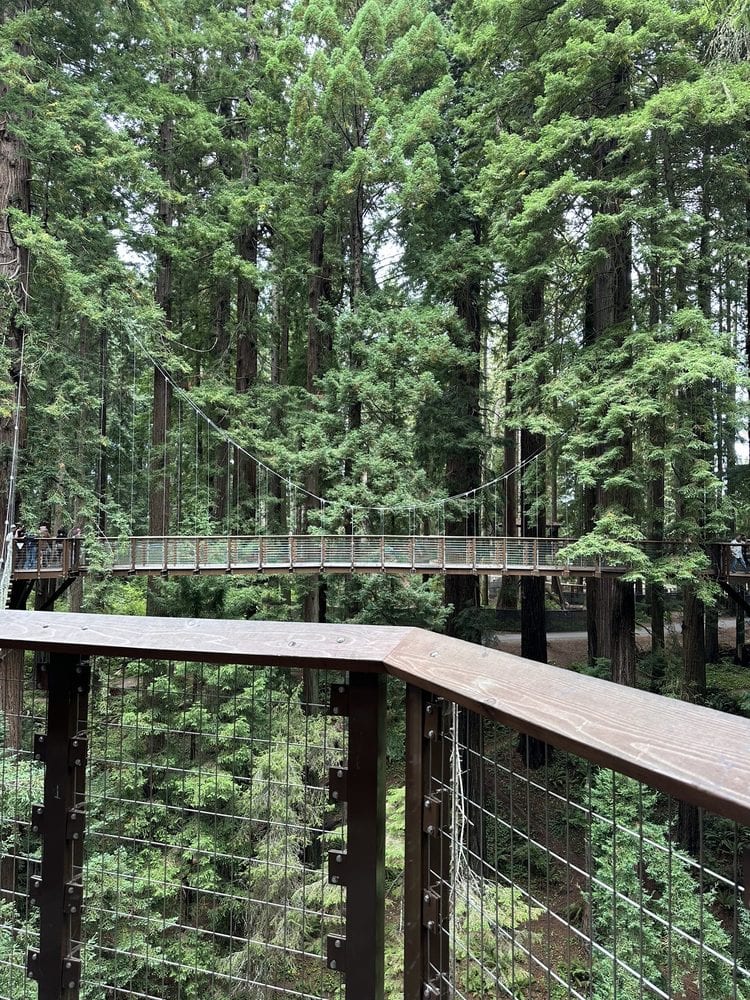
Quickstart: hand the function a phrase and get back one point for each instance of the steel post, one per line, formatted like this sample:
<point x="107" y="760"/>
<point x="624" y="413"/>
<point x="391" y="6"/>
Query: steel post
<point x="60" y="822"/>
<point x="427" y="849"/>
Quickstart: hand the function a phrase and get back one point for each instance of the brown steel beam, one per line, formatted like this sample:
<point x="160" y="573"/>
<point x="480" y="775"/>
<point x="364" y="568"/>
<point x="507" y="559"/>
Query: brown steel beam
<point x="737" y="595"/>
<point x="60" y="823"/>
<point x="427" y="848"/>
<point x="414" y="958"/>
<point x="365" y="891"/>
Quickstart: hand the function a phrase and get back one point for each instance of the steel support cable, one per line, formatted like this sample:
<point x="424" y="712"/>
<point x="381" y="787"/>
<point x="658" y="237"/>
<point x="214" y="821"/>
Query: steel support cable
<point x="291" y="485"/>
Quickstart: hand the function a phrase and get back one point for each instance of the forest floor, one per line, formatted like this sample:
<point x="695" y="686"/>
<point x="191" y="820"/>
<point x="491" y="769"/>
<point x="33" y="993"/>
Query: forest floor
<point x="567" y="648"/>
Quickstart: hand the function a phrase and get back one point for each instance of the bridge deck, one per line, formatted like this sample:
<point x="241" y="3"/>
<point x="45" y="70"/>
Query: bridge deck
<point x="400" y="554"/>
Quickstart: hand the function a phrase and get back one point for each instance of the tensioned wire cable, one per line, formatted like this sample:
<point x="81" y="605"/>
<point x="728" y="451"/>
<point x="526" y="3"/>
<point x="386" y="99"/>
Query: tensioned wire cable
<point x="298" y="487"/>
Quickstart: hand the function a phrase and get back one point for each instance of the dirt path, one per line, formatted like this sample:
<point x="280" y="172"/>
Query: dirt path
<point x="566" y="648"/>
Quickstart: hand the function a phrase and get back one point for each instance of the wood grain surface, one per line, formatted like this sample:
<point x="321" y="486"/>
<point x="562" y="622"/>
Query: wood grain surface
<point x="693" y="753"/>
<point x="340" y="647"/>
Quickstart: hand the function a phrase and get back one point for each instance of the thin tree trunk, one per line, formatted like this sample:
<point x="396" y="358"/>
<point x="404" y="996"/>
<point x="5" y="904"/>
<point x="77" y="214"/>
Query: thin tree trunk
<point x="158" y="507"/>
<point x="533" y="510"/>
<point x="277" y="523"/>
<point x="314" y="601"/>
<point x="509" y="588"/>
<point x="102" y="469"/>
<point x="657" y="435"/>
<point x="247" y="367"/>
<point x="463" y="470"/>
<point x="222" y="489"/>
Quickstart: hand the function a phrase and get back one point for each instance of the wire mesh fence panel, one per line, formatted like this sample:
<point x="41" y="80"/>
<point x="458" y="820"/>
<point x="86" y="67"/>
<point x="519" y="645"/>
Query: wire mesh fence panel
<point x="308" y="550"/>
<point x="338" y="550"/>
<point x="428" y="552"/>
<point x="366" y="549"/>
<point x="520" y="553"/>
<point x="490" y="553"/>
<point x="21" y="783"/>
<point x="276" y="551"/>
<point x="400" y="550"/>
<point x="457" y="552"/>
<point x="245" y="552"/>
<point x="570" y="880"/>
<point x="207" y="826"/>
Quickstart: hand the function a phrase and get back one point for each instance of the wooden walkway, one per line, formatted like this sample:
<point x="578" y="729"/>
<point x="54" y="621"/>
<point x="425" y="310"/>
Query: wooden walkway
<point x="398" y="554"/>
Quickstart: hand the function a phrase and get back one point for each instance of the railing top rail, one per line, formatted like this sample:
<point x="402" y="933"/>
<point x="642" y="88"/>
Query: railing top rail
<point x="694" y="753"/>
<point x="335" y="647"/>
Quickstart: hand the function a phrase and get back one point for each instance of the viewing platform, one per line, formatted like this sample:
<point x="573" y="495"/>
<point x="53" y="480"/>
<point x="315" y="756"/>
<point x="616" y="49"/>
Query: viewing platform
<point x="200" y="808"/>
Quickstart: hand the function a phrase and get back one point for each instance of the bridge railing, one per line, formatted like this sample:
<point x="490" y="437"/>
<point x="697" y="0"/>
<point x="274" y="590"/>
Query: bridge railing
<point x="47" y="557"/>
<point x="394" y="553"/>
<point x="194" y="808"/>
<point x="332" y="553"/>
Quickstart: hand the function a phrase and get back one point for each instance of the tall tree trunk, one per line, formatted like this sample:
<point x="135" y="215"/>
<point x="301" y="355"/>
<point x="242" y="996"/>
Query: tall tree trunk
<point x="657" y="437"/>
<point x="277" y="522"/>
<point x="247" y="366"/>
<point x="533" y="510"/>
<point x="158" y="502"/>
<point x="248" y="294"/>
<point x="608" y="311"/>
<point x="533" y="520"/>
<point x="696" y="404"/>
<point x="463" y="470"/>
<point x="464" y="463"/>
<point x="102" y="469"/>
<point x="222" y="488"/>
<point x="314" y="601"/>
<point x="15" y="193"/>
<point x="509" y="587"/>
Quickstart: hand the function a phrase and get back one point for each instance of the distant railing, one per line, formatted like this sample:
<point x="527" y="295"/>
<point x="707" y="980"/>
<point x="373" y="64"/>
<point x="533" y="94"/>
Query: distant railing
<point x="196" y="808"/>
<point x="47" y="557"/>
<point x="328" y="553"/>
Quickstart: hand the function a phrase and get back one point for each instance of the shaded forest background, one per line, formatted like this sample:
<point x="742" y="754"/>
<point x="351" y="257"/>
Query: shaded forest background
<point x="395" y="250"/>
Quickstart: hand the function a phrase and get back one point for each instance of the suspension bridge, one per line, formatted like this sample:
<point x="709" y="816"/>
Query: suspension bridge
<point x="206" y="487"/>
<point x="401" y="554"/>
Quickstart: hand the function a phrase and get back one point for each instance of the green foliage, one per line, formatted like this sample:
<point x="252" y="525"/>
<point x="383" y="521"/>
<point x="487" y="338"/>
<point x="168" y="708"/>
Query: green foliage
<point x="633" y="851"/>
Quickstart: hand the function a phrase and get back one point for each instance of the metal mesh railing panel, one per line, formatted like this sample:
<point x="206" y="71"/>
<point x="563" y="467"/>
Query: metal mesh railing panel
<point x="276" y="551"/>
<point x="245" y="552"/>
<point x="308" y="549"/>
<point x="570" y="880"/>
<point x="207" y="826"/>
<point x="21" y="784"/>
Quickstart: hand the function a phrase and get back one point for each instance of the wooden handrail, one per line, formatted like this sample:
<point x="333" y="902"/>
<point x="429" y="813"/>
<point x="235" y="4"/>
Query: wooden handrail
<point x="695" y="754"/>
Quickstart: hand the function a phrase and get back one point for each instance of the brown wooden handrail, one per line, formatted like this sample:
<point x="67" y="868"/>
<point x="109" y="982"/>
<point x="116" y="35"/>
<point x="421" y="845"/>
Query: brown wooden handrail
<point x="695" y="754"/>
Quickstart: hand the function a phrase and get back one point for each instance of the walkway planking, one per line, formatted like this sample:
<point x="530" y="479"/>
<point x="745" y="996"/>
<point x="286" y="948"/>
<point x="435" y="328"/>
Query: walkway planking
<point x="398" y="554"/>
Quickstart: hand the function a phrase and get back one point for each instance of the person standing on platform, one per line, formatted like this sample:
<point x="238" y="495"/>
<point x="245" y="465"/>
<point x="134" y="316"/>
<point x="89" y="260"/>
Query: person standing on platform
<point x="736" y="551"/>
<point x="45" y="544"/>
<point x="75" y="548"/>
<point x="32" y="544"/>
<point x="60" y="545"/>
<point x="19" y="540"/>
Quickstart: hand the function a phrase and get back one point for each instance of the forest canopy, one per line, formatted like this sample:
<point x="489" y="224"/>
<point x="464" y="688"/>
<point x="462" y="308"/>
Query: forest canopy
<point x="391" y="252"/>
